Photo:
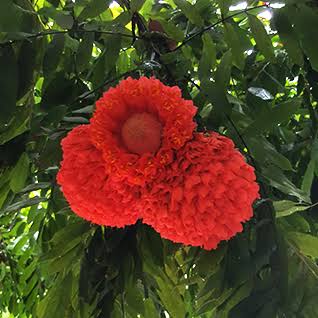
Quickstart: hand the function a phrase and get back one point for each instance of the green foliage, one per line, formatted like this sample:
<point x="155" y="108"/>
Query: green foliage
<point x="252" y="78"/>
<point x="8" y="83"/>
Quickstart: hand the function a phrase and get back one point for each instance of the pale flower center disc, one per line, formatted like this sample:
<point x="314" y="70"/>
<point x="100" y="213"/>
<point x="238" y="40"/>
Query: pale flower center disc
<point x="141" y="133"/>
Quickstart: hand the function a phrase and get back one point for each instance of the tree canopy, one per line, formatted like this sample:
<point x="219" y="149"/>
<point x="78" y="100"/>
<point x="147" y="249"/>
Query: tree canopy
<point x="250" y="67"/>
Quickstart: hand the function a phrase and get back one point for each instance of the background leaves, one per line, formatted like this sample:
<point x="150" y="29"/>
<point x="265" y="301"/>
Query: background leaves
<point x="251" y="69"/>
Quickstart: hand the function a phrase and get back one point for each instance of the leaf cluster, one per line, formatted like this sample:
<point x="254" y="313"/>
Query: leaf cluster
<point x="252" y="72"/>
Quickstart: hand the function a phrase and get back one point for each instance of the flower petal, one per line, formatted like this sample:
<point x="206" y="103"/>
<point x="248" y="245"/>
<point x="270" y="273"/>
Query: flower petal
<point x="142" y="96"/>
<point x="90" y="191"/>
<point x="210" y="201"/>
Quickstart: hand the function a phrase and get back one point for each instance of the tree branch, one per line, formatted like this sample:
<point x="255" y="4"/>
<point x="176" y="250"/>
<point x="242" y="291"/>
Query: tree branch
<point x="106" y="82"/>
<point x="207" y="28"/>
<point x="229" y="119"/>
<point x="47" y="33"/>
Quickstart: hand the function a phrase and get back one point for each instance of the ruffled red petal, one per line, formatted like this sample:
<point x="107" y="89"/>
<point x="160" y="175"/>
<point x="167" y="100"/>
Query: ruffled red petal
<point x="205" y="194"/>
<point x="89" y="190"/>
<point x="147" y="96"/>
<point x="139" y="158"/>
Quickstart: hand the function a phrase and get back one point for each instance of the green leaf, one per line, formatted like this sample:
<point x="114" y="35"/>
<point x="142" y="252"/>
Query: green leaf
<point x="12" y="36"/>
<point x="30" y="285"/>
<point x="211" y="304"/>
<point x="85" y="110"/>
<point x="216" y="92"/>
<point x="170" y="297"/>
<point x="224" y="5"/>
<point x="223" y="72"/>
<point x="76" y="120"/>
<point x="288" y="36"/>
<point x="286" y="207"/>
<point x="208" y="57"/>
<point x="308" y="176"/>
<point x="113" y="45"/>
<point x="134" y="299"/>
<point x="172" y="30"/>
<point x="17" y="126"/>
<point x="281" y="267"/>
<point x="136" y="5"/>
<point x="56" y="91"/>
<point x="93" y="9"/>
<point x="306" y="24"/>
<point x="66" y="239"/>
<point x="20" y="173"/>
<point x="4" y="185"/>
<point x="151" y="248"/>
<point x="20" y="245"/>
<point x="190" y="12"/>
<point x="37" y="222"/>
<point x="235" y="44"/>
<point x="263" y="151"/>
<point x="57" y="301"/>
<point x="306" y="243"/>
<point x="29" y="270"/>
<point x="28" y="65"/>
<point x="84" y="51"/>
<point x="64" y="263"/>
<point x="262" y="39"/>
<point x="314" y="149"/>
<point x="208" y="261"/>
<point x="150" y="309"/>
<point x="53" y="54"/>
<point x="4" y="191"/>
<point x="261" y="93"/>
<point x="212" y="287"/>
<point x="23" y="204"/>
<point x="268" y="119"/>
<point x="8" y="83"/>
<point x="62" y="18"/>
<point x="239" y="294"/>
<point x="71" y="44"/>
<point x="216" y="95"/>
<point x="36" y="186"/>
<point x="295" y="222"/>
<point x="8" y="10"/>
<point x="277" y="179"/>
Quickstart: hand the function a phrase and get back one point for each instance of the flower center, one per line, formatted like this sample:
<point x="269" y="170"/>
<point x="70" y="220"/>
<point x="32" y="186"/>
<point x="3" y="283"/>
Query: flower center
<point x="141" y="133"/>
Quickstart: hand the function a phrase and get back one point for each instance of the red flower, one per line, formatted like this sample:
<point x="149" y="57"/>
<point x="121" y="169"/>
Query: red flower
<point x="139" y="158"/>
<point x="137" y="126"/>
<point x="89" y="190"/>
<point x="204" y="195"/>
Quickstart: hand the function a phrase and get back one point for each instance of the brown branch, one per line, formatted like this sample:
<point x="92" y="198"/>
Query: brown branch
<point x="229" y="119"/>
<point x="207" y="28"/>
<point x="106" y="82"/>
<point x="47" y="33"/>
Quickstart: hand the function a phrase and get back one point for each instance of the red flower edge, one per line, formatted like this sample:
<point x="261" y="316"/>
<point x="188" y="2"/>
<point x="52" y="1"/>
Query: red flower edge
<point x="205" y="194"/>
<point x="91" y="193"/>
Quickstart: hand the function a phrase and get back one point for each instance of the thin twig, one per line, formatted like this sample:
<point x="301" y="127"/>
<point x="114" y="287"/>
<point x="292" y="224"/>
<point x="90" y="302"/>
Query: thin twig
<point x="47" y="33"/>
<point x="80" y="98"/>
<point x="235" y="129"/>
<point x="54" y="32"/>
<point x="207" y="28"/>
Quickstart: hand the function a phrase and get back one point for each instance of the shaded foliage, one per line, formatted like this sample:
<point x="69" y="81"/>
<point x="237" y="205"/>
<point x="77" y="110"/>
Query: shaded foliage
<point x="252" y="73"/>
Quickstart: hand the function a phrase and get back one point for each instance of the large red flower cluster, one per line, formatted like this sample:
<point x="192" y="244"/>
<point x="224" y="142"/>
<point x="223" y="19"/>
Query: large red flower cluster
<point x="140" y="159"/>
